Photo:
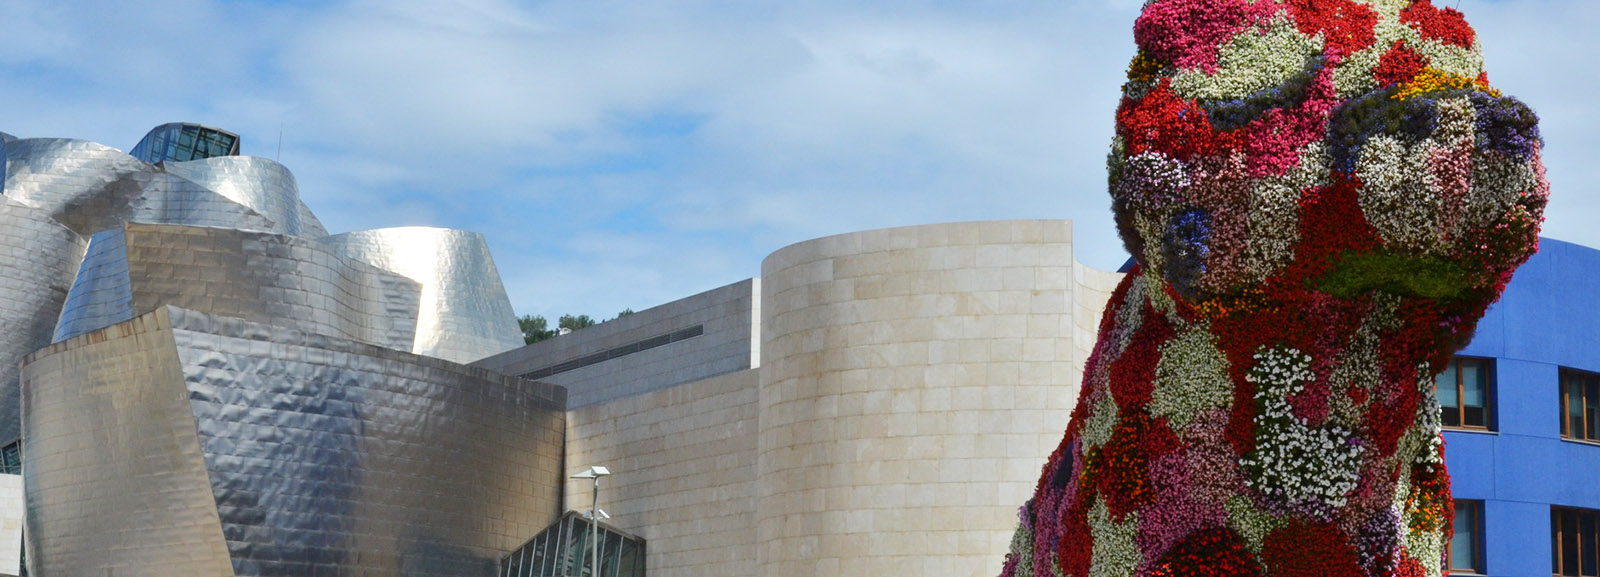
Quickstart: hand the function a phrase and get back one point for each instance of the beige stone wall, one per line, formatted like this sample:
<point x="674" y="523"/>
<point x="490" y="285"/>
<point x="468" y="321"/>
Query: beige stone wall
<point x="683" y="462"/>
<point x="12" y="507"/>
<point x="913" y="381"/>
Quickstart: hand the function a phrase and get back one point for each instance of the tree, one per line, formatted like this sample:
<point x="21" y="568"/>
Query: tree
<point x="535" y="328"/>
<point x="572" y="323"/>
<point x="625" y="312"/>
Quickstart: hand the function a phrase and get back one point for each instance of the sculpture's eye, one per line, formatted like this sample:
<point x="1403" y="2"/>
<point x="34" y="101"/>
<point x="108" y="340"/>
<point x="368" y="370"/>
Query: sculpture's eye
<point x="1185" y="251"/>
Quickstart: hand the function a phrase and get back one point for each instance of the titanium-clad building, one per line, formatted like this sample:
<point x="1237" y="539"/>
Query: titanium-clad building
<point x="185" y="443"/>
<point x="215" y="386"/>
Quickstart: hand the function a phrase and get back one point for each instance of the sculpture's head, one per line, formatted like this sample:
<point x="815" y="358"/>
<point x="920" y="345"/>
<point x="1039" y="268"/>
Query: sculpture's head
<point x="1343" y="146"/>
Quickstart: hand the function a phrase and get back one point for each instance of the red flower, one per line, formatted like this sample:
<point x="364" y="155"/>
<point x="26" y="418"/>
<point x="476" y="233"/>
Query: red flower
<point x="1345" y="25"/>
<point x="1133" y="374"/>
<point x="1306" y="550"/>
<point x="1162" y="122"/>
<point x="1447" y="25"/>
<point x="1399" y="64"/>
<point x="1214" y="552"/>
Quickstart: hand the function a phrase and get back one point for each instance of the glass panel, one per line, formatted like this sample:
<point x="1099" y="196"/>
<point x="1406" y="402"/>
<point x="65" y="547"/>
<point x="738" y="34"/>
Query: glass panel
<point x="1445" y="386"/>
<point x="1575" y="407"/>
<point x="577" y="547"/>
<point x="1474" y="383"/>
<point x="613" y="554"/>
<point x="1450" y="416"/>
<point x="1569" y="542"/>
<point x="631" y="564"/>
<point x="1586" y="542"/>
<point x="1463" y="546"/>
<point x="1591" y="407"/>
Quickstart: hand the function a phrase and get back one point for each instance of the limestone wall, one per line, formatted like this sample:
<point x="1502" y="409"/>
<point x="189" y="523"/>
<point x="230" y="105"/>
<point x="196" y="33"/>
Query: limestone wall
<point x="683" y="462"/>
<point x="913" y="381"/>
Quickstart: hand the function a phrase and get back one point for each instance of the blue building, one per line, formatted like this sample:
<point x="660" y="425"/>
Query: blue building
<point x="1521" y="407"/>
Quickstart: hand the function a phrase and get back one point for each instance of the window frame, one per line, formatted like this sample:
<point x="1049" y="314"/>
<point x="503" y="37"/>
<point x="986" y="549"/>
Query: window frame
<point x="1479" y="566"/>
<point x="1488" y="367"/>
<point x="1563" y="403"/>
<point x="1557" y="532"/>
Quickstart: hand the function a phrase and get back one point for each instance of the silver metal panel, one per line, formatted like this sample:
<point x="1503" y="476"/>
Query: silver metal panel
<point x="261" y="184"/>
<point x="465" y="314"/>
<point x="261" y="276"/>
<point x="4" y="138"/>
<point x="310" y="226"/>
<point x="160" y="445"/>
<point x="90" y="187"/>
<point x="101" y="294"/>
<point x="333" y="457"/>
<point x="37" y="260"/>
<point x="115" y="480"/>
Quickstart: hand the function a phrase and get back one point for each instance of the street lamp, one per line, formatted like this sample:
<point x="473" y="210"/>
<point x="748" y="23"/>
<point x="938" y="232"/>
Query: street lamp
<point x="595" y="472"/>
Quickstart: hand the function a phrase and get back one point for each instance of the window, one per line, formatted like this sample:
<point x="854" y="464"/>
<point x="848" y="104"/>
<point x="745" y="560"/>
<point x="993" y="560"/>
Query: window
<point x="1580" y="405"/>
<point x="1464" y="552"/>
<point x="1464" y="390"/>
<point x="11" y="459"/>
<point x="1573" y="543"/>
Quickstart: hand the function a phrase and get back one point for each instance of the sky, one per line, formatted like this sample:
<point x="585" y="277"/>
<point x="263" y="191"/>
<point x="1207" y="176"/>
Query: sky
<point x="621" y="155"/>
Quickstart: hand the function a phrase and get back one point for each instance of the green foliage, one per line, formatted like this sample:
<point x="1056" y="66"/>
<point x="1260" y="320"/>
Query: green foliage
<point x="573" y="323"/>
<point x="534" y="329"/>
<point x="1428" y="277"/>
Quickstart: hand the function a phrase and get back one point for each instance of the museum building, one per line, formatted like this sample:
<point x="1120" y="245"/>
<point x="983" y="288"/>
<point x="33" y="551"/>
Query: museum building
<point x="197" y="378"/>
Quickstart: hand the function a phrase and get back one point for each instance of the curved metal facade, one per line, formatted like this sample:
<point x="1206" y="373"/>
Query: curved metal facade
<point x="261" y="184"/>
<point x="258" y="276"/>
<point x="280" y="430"/>
<point x="187" y="443"/>
<point x="38" y="257"/>
<point x="91" y="187"/>
<point x="465" y="314"/>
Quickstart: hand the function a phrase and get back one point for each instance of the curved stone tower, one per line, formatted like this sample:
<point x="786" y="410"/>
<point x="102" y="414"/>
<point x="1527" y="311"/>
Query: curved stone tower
<point x="1323" y="196"/>
<point x="908" y="380"/>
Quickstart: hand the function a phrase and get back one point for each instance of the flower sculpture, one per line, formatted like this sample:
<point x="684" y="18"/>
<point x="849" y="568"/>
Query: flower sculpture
<point x="1322" y="196"/>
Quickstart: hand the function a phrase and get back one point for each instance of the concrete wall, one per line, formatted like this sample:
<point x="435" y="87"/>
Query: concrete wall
<point x="1545" y="320"/>
<point x="684" y="472"/>
<point x="728" y="314"/>
<point x="913" y="381"/>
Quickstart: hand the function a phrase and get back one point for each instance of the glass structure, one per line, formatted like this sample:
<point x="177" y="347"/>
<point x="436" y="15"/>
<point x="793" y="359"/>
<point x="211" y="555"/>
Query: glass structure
<point x="182" y="142"/>
<point x="11" y="459"/>
<point x="563" y="550"/>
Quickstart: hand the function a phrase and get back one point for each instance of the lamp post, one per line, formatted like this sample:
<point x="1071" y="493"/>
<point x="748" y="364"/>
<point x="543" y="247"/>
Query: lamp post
<point x="595" y="472"/>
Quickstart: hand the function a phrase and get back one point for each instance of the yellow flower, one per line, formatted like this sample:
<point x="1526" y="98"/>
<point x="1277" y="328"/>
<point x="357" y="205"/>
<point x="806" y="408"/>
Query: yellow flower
<point x="1431" y="80"/>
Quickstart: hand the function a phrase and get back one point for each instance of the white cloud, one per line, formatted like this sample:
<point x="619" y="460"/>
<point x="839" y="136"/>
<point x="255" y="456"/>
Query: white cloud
<point x="622" y="154"/>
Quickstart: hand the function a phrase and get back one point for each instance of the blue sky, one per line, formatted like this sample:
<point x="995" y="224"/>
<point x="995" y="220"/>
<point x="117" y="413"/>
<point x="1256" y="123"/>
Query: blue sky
<point x="625" y="154"/>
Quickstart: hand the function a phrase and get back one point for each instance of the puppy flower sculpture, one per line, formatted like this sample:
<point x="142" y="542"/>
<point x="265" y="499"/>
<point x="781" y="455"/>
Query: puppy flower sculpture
<point x="1322" y="196"/>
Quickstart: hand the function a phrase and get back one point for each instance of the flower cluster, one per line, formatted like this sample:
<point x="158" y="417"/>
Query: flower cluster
<point x="1295" y="466"/>
<point x="1322" y="197"/>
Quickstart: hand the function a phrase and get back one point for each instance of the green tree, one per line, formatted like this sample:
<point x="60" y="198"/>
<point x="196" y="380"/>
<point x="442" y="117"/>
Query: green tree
<point x="625" y="312"/>
<point x="535" y="328"/>
<point x="573" y="323"/>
